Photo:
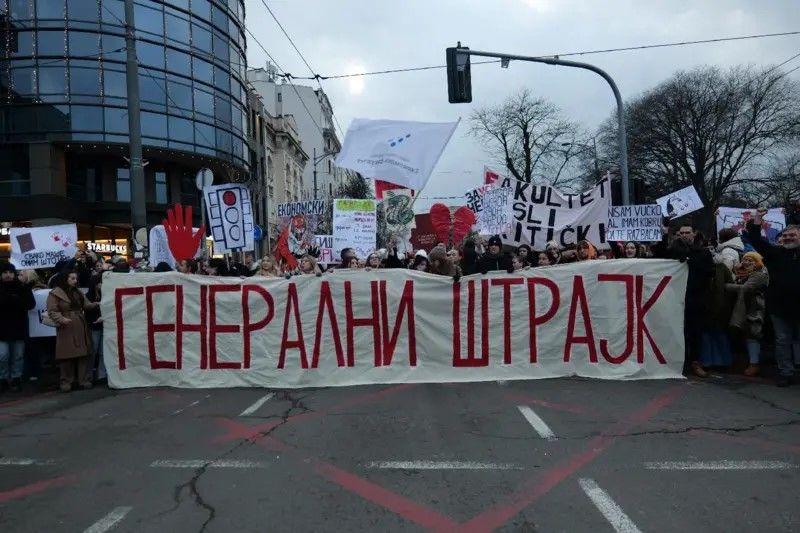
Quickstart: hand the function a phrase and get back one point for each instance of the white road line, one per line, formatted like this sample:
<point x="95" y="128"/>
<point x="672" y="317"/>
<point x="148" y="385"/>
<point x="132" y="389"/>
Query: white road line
<point x="441" y="465"/>
<point x="25" y="461"/>
<point x="720" y="465"/>
<point x="109" y="521"/>
<point x="538" y="424"/>
<point x="255" y="407"/>
<point x="200" y="463"/>
<point x="606" y="505"/>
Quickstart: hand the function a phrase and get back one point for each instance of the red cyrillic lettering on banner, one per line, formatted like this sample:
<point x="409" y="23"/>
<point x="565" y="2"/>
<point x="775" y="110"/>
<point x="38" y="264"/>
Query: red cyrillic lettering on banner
<point x="293" y="308"/>
<point x="471" y="360"/>
<point x="153" y="328"/>
<point x="201" y="328"/>
<point x="534" y="320"/>
<point x="456" y="323"/>
<point x="506" y="284"/>
<point x="406" y="306"/>
<point x="628" y="280"/>
<point x="352" y="323"/>
<point x="119" y="294"/>
<point x="247" y="327"/>
<point x="579" y="299"/>
<point x="214" y="328"/>
<point x="326" y="303"/>
<point x="485" y="319"/>
<point x="641" y="310"/>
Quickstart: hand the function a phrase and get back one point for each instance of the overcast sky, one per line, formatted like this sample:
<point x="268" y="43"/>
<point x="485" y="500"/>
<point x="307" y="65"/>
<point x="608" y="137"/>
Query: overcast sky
<point x="345" y="36"/>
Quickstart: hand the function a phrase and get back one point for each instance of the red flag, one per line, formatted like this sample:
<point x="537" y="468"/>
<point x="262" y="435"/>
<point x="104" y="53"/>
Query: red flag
<point x="490" y="176"/>
<point x="383" y="186"/>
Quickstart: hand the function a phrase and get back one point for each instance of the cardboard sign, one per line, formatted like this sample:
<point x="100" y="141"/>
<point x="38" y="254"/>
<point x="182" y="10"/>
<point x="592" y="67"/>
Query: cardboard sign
<point x="43" y="246"/>
<point x="680" y="202"/>
<point x="354" y="226"/>
<point x="774" y="222"/>
<point x="325" y="245"/>
<point x="299" y="221"/>
<point x="620" y="319"/>
<point x="542" y="213"/>
<point x="230" y="217"/>
<point x="640" y="223"/>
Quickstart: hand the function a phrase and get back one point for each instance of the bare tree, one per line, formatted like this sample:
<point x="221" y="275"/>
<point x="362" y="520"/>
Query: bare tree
<point x="709" y="128"/>
<point x="780" y="186"/>
<point x="531" y="138"/>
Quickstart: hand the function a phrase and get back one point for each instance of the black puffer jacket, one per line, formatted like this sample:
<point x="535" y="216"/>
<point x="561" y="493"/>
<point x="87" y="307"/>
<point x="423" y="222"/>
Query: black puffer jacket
<point x="701" y="272"/>
<point x="489" y="262"/>
<point x="783" y="265"/>
<point x="16" y="299"/>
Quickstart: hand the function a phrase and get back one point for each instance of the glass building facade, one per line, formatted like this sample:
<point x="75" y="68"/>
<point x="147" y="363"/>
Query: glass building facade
<point x="62" y="76"/>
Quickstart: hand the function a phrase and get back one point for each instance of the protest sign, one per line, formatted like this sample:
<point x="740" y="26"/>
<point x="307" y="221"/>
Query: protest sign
<point x="423" y="235"/>
<point x="325" y="245"/>
<point x="634" y="223"/>
<point x="230" y="217"/>
<point x="354" y="226"/>
<point x="297" y="225"/>
<point x="495" y="216"/>
<point x="43" y="246"/>
<point x="36" y="328"/>
<point x="490" y="176"/>
<point x="159" y="247"/>
<point x="737" y="218"/>
<point x="474" y="197"/>
<point x="618" y="319"/>
<point x="542" y="213"/>
<point x="401" y="152"/>
<point x="680" y="202"/>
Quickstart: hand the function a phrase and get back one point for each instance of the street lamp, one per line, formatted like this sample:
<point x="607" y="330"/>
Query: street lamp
<point x="317" y="160"/>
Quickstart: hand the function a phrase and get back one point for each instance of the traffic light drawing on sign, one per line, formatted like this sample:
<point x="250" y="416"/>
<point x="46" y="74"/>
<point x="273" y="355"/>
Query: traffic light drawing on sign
<point x="230" y="217"/>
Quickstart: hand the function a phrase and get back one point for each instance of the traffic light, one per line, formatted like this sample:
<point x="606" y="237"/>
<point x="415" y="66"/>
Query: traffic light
<point x="459" y="80"/>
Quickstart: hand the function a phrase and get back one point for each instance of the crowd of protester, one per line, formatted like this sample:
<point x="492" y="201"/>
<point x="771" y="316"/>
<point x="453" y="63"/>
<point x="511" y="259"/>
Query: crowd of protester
<point x="741" y="292"/>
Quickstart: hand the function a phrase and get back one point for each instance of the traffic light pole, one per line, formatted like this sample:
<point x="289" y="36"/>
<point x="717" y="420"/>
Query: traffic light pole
<point x="621" y="133"/>
<point x="137" y="184"/>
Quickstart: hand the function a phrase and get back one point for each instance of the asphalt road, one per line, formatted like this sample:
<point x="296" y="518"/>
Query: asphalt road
<point x="550" y="455"/>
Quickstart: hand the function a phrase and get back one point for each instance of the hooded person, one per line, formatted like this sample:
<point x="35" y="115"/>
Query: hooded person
<point x="494" y="258"/>
<point x="730" y="249"/>
<point x="16" y="299"/>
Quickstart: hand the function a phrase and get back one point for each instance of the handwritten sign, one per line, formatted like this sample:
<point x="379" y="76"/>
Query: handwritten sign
<point x="43" y="246"/>
<point x="325" y="245"/>
<point x="354" y="226"/>
<point x="496" y="215"/>
<point x="634" y="223"/>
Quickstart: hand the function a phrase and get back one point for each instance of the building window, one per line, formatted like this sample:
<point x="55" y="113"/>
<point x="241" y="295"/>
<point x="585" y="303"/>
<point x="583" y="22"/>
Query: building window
<point x="123" y="185"/>
<point x="161" y="187"/>
<point x="15" y="180"/>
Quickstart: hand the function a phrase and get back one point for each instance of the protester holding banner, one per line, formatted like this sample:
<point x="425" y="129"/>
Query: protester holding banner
<point x="96" y="368"/>
<point x="420" y="261"/>
<point x="783" y="293"/>
<point x="586" y="251"/>
<point x="268" y="268"/>
<point x="543" y="259"/>
<point x="187" y="266"/>
<point x="715" y="348"/>
<point x="15" y="300"/>
<point x="67" y="307"/>
<point x="469" y="258"/>
<point x="525" y="255"/>
<point x="494" y="258"/>
<point x="752" y="280"/>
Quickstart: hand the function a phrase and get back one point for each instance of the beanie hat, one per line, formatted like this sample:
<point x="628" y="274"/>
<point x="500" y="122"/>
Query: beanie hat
<point x="494" y="240"/>
<point x="7" y="267"/>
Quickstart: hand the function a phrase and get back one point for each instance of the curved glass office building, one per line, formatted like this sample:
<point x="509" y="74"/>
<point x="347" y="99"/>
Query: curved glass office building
<point x="63" y="120"/>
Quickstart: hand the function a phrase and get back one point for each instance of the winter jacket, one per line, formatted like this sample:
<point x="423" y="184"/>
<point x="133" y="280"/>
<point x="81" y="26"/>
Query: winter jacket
<point x="489" y="262"/>
<point x="16" y="299"/>
<point x="783" y="264"/>
<point x="701" y="272"/>
<point x="729" y="253"/>
<point x="72" y="333"/>
<point x="748" y="313"/>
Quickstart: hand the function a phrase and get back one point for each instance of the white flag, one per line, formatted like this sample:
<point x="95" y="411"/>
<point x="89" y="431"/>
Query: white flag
<point x="399" y="151"/>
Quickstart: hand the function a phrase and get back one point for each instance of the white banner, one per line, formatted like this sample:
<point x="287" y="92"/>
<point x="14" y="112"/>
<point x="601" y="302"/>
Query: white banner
<point x="43" y="246"/>
<point x="230" y="217"/>
<point x="634" y="223"/>
<point x="496" y="216"/>
<point x="616" y="319"/>
<point x="736" y="217"/>
<point x="542" y="213"/>
<point x="35" y="326"/>
<point x="398" y="151"/>
<point x="354" y="226"/>
<point x="680" y="202"/>
<point x="159" y="247"/>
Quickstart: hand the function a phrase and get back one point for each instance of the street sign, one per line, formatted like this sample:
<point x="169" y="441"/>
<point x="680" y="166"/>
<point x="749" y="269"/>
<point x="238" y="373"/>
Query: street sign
<point x="205" y="178"/>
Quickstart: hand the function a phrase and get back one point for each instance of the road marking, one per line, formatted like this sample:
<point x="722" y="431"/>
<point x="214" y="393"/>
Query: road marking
<point x="608" y="507"/>
<point x="200" y="463"/>
<point x="502" y="382"/>
<point x="720" y="465"/>
<point x="25" y="461"/>
<point x="441" y="465"/>
<point x="257" y="405"/>
<point x="538" y="424"/>
<point x="109" y="521"/>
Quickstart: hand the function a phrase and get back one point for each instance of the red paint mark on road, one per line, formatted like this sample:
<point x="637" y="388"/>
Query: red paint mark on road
<point x="400" y="505"/>
<point x="533" y="489"/>
<point x="577" y="409"/>
<point x="34" y="488"/>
